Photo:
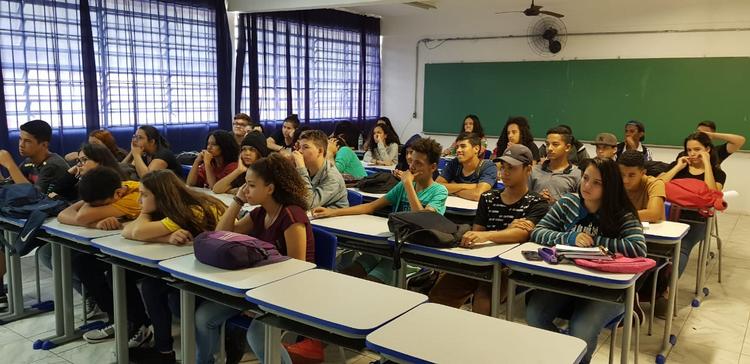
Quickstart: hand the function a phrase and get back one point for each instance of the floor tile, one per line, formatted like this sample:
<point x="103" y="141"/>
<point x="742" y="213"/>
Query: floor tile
<point x="691" y="352"/>
<point x="84" y="354"/>
<point x="21" y="352"/>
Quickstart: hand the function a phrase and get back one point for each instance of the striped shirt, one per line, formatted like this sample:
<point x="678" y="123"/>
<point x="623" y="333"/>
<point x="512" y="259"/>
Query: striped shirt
<point x="568" y="217"/>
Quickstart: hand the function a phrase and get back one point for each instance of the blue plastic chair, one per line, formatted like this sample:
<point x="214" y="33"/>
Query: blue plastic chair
<point x="186" y="169"/>
<point x="667" y="209"/>
<point x="354" y="197"/>
<point x="325" y="248"/>
<point x="487" y="154"/>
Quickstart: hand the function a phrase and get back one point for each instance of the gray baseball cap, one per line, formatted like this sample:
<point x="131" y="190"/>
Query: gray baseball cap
<point x="605" y="139"/>
<point x="516" y="155"/>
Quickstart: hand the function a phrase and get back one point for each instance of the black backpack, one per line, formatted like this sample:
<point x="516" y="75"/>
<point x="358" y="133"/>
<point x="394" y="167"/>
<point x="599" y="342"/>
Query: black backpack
<point x="424" y="228"/>
<point x="24" y="201"/>
<point x="380" y="182"/>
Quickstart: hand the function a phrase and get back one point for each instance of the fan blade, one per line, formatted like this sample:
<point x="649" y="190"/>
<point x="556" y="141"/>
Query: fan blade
<point x="551" y="13"/>
<point x="507" y="12"/>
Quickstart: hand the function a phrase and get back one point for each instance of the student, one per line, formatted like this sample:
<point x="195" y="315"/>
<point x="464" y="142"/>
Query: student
<point x="577" y="153"/>
<point x="149" y="152"/>
<point x="647" y="193"/>
<point x="606" y="146"/>
<point x="467" y="176"/>
<point x="555" y="176"/>
<point x="105" y="200"/>
<point x="349" y="132"/>
<point x="215" y="162"/>
<point x="496" y="213"/>
<point x="344" y="158"/>
<point x="600" y="214"/>
<point x="733" y="142"/>
<point x="252" y="149"/>
<point x="383" y="147"/>
<point x="105" y="138"/>
<point x="516" y="131"/>
<point x="283" y="139"/>
<point x="274" y="185"/>
<point x="241" y="125"/>
<point x="381" y="122"/>
<point x="319" y="175"/>
<point x="635" y="133"/>
<point x="171" y="213"/>
<point x="416" y="192"/>
<point x="471" y="124"/>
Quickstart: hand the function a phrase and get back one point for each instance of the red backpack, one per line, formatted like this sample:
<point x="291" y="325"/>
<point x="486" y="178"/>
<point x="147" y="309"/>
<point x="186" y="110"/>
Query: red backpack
<point x="693" y="193"/>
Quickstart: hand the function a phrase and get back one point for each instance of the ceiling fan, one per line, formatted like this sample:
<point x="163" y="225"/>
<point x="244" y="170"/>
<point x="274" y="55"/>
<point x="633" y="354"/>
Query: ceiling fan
<point x="534" y="10"/>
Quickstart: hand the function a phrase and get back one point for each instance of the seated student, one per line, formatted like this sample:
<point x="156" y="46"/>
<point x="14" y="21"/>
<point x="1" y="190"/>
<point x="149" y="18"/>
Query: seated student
<point x="635" y="133"/>
<point x="383" y="147"/>
<point x="471" y="124"/>
<point x="105" y="199"/>
<point x="221" y="155"/>
<point x="606" y="146"/>
<point x="324" y="181"/>
<point x="496" y="213"/>
<point x="41" y="167"/>
<point x="467" y="176"/>
<point x="516" y="131"/>
<point x="416" y="192"/>
<point x="241" y="125"/>
<point x="600" y="214"/>
<point x="281" y="218"/>
<point x="252" y="149"/>
<point x="647" y="193"/>
<point x="349" y="132"/>
<point x="404" y="159"/>
<point x="344" y="158"/>
<point x="733" y="142"/>
<point x="149" y="152"/>
<point x="555" y="176"/>
<point x="283" y="139"/>
<point x="577" y="153"/>
<point x="105" y="138"/>
<point x="380" y="122"/>
<point x="171" y="213"/>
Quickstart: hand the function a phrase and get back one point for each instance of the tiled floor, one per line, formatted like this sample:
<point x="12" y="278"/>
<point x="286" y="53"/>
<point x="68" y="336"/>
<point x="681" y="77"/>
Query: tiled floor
<point x="716" y="332"/>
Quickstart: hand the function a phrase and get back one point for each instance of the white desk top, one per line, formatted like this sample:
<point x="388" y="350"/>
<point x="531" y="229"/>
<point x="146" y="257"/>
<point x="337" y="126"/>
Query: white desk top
<point x="381" y="168"/>
<point x="367" y="227"/>
<point x="485" y="254"/>
<point x="234" y="282"/>
<point x="665" y="231"/>
<point x="435" y="333"/>
<point x="78" y="234"/>
<point x="453" y="203"/>
<point x="149" y="254"/>
<point x="345" y="305"/>
<point x="568" y="272"/>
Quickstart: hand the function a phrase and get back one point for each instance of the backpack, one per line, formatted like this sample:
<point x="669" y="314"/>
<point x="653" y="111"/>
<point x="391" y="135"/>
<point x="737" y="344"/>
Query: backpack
<point x="24" y="201"/>
<point x="621" y="264"/>
<point x="187" y="158"/>
<point x="424" y="228"/>
<point x="693" y="193"/>
<point x="13" y="195"/>
<point x="228" y="250"/>
<point x="655" y="168"/>
<point x="380" y="182"/>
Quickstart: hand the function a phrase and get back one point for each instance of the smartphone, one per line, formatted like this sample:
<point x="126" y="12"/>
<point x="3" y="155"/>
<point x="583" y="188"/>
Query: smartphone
<point x="531" y="255"/>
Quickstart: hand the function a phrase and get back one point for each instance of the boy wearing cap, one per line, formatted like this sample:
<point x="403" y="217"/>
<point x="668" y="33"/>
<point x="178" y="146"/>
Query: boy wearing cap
<point x="606" y="146"/>
<point x="504" y="216"/>
<point x="635" y="133"/>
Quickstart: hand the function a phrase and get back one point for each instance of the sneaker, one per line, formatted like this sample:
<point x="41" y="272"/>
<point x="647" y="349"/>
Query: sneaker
<point x="92" y="309"/>
<point x="99" y="335"/>
<point x="150" y="355"/>
<point x="307" y="351"/>
<point x="4" y="302"/>
<point x="142" y="338"/>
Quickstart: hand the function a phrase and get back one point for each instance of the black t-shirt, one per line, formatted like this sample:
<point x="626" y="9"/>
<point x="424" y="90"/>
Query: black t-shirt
<point x="719" y="175"/>
<point x="167" y="156"/>
<point x="494" y="214"/>
<point x="722" y="152"/>
<point x="278" y="138"/>
<point x="45" y="175"/>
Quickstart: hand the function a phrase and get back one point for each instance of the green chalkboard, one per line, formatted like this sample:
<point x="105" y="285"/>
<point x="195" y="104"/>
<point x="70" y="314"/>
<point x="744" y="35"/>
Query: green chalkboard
<point x="669" y="95"/>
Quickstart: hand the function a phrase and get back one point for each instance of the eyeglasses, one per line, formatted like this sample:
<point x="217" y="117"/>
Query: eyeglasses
<point x="82" y="160"/>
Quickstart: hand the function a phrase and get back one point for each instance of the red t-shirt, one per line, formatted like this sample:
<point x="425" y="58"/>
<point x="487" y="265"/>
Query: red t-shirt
<point x="218" y="172"/>
<point x="288" y="216"/>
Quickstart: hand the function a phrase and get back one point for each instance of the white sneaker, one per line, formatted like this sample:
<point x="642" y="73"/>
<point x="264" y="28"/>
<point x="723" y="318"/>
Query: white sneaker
<point x="99" y="335"/>
<point x="142" y="338"/>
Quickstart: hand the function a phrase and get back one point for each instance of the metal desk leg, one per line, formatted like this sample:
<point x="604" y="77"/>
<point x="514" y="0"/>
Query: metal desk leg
<point x="668" y="340"/>
<point x="16" y="308"/>
<point x="187" y="326"/>
<point x="67" y="291"/>
<point x="121" y="309"/>
<point x="495" y="291"/>
<point x="705" y="246"/>
<point x="510" y="299"/>
<point x="272" y="344"/>
<point x="627" y="324"/>
<point x="401" y="275"/>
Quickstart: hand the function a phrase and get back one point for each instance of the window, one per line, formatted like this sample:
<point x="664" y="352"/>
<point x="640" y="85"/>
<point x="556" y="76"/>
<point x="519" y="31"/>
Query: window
<point x="41" y="62"/>
<point x="156" y="62"/>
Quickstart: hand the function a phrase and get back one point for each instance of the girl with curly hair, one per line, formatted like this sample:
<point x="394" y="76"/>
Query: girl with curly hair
<point x="516" y="131"/>
<point x="274" y="185"/>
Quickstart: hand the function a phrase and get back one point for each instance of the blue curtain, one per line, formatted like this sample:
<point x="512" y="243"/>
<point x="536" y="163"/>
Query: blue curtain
<point x="323" y="65"/>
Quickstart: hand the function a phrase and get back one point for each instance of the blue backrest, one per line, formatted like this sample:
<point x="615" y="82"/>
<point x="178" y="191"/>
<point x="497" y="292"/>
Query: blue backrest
<point x="354" y="197"/>
<point x="325" y="248"/>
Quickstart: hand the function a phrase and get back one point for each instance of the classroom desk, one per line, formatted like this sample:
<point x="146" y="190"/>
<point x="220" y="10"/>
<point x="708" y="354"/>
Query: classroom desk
<point x="344" y="305"/>
<point x="612" y="285"/>
<point x="62" y="278"/>
<point x="666" y="234"/>
<point x="230" y="282"/>
<point x="365" y="233"/>
<point x="432" y="333"/>
<point x="140" y="253"/>
<point x="478" y="263"/>
<point x="375" y="168"/>
<point x="453" y="205"/>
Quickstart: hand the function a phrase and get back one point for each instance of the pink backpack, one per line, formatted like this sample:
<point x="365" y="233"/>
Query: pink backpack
<point x="621" y="264"/>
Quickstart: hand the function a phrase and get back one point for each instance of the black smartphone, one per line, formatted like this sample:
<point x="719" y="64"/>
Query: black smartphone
<point x="531" y="255"/>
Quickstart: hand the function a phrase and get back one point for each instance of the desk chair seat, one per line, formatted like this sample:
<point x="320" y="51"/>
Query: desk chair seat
<point x="354" y="197"/>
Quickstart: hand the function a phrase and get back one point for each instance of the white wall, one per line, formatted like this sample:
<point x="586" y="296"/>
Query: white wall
<point x="477" y="18"/>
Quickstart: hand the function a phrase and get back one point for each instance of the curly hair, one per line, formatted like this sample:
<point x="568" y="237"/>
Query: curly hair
<point x="523" y="127"/>
<point x="428" y="147"/>
<point x="289" y="189"/>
